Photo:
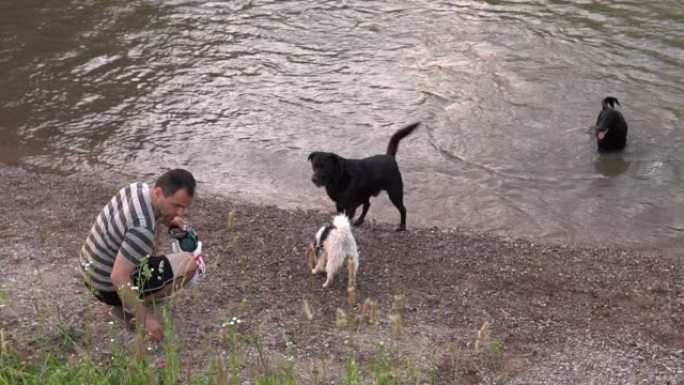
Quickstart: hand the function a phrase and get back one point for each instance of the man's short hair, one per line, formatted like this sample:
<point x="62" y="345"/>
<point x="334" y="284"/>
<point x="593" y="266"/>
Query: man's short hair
<point x="176" y="179"/>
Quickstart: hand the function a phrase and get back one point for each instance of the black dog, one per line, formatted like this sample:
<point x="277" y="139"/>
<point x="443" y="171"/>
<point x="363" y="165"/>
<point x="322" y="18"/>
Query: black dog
<point x="611" y="127"/>
<point x="351" y="182"/>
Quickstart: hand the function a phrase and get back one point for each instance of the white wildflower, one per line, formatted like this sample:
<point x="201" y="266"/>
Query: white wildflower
<point x="232" y="321"/>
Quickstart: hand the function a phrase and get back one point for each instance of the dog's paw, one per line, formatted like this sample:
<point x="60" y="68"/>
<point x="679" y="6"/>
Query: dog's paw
<point x="400" y="228"/>
<point x="358" y="222"/>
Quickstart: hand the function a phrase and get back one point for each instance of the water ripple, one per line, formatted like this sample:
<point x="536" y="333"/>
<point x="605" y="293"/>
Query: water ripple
<point x="241" y="91"/>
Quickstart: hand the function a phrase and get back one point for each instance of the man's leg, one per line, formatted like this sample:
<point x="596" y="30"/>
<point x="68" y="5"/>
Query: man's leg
<point x="166" y="275"/>
<point x="111" y="299"/>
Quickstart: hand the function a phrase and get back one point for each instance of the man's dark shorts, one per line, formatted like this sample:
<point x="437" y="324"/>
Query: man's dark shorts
<point x="148" y="279"/>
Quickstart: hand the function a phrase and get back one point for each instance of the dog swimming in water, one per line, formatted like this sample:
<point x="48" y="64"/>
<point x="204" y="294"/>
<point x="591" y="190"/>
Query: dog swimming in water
<point x="611" y="127"/>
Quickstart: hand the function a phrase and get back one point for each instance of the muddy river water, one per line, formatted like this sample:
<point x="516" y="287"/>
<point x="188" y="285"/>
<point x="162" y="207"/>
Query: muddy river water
<point x="240" y="92"/>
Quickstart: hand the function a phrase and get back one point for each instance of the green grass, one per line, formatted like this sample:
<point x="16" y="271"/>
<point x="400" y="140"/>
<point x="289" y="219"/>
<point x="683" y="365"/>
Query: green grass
<point x="59" y="355"/>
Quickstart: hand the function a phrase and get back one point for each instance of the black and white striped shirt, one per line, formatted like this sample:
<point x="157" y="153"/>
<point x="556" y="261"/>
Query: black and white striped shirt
<point x="126" y="224"/>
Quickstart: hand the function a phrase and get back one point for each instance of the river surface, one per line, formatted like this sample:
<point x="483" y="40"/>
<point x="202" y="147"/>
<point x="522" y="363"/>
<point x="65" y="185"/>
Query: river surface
<point x="240" y="92"/>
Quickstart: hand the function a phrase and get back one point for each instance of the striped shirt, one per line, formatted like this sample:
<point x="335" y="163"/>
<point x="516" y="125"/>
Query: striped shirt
<point x="125" y="225"/>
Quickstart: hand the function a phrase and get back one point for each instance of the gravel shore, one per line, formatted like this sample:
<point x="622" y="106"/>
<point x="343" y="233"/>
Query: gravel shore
<point x="553" y="313"/>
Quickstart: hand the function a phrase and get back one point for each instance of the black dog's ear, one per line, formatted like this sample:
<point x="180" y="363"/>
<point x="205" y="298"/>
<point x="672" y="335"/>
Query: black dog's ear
<point x="610" y="101"/>
<point x="311" y="156"/>
<point x="339" y="163"/>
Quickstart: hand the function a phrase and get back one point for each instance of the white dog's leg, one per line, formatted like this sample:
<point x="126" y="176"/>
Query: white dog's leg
<point x="330" y="270"/>
<point x="352" y="268"/>
<point x="319" y="265"/>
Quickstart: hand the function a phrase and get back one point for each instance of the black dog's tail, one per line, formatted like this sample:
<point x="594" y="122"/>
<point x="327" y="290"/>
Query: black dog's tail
<point x="393" y="145"/>
<point x="610" y="101"/>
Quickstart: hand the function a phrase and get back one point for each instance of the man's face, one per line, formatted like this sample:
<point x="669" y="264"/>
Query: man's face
<point x="172" y="206"/>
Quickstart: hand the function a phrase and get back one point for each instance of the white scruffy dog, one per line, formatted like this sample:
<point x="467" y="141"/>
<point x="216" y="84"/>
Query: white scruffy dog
<point x="334" y="245"/>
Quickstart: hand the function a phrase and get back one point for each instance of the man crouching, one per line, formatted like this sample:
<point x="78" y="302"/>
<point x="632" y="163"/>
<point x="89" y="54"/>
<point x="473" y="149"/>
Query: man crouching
<point x="117" y="259"/>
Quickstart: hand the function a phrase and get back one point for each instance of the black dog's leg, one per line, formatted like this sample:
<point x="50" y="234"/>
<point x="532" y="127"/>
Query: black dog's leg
<point x="339" y="208"/>
<point x="366" y="206"/>
<point x="350" y="211"/>
<point x="396" y="195"/>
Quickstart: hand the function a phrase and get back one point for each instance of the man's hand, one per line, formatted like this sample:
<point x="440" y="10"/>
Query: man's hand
<point x="153" y="329"/>
<point x="121" y="279"/>
<point x="177" y="222"/>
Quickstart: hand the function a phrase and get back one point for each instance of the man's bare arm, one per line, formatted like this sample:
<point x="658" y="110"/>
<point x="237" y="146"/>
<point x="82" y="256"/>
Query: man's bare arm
<point x="121" y="279"/>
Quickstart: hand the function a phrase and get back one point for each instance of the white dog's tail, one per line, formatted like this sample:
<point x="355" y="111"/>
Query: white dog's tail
<point x="342" y="222"/>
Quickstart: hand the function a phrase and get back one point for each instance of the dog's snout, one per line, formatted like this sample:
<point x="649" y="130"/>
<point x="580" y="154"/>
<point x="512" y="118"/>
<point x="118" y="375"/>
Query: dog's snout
<point x="316" y="180"/>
